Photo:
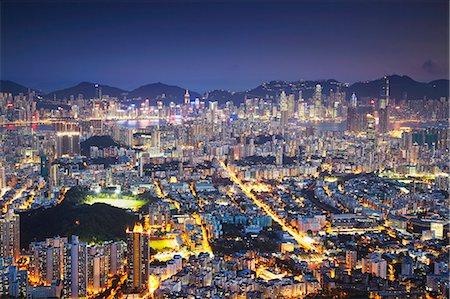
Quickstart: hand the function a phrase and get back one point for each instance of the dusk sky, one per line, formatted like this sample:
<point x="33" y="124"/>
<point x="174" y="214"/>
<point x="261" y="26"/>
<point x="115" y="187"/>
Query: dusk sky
<point x="233" y="45"/>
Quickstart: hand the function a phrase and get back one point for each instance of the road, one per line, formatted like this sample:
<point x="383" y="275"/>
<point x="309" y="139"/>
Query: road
<point x="303" y="240"/>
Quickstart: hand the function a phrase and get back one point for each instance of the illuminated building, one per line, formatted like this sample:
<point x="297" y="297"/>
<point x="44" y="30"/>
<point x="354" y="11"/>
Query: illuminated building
<point x="351" y="113"/>
<point x="156" y="138"/>
<point x="283" y="110"/>
<point x="13" y="282"/>
<point x="370" y="127"/>
<point x="46" y="260"/>
<point x="10" y="235"/>
<point x="383" y="111"/>
<point x="98" y="91"/>
<point x="159" y="215"/>
<point x="213" y="106"/>
<point x="359" y="118"/>
<point x="75" y="269"/>
<point x="138" y="258"/>
<point x="317" y="102"/>
<point x="187" y="97"/>
<point x="301" y="109"/>
<point x="351" y="259"/>
<point x="291" y="105"/>
<point x="2" y="178"/>
<point x="279" y="155"/>
<point x="52" y="260"/>
<point x="67" y="139"/>
<point x="44" y="166"/>
<point x="375" y="265"/>
<point x="97" y="270"/>
<point x="438" y="228"/>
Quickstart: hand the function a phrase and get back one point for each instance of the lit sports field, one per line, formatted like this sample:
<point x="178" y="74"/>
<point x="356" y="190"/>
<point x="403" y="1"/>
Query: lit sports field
<point x="164" y="244"/>
<point x="123" y="202"/>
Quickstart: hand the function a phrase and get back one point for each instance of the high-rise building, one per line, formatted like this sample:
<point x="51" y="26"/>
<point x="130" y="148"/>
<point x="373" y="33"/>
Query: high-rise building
<point x="301" y="109"/>
<point x="187" y="97"/>
<point x="54" y="258"/>
<point x="318" y="93"/>
<point x="10" y="235"/>
<point x="97" y="269"/>
<point x="351" y="258"/>
<point x="13" y="282"/>
<point x="375" y="265"/>
<point x="156" y="138"/>
<point x="98" y="91"/>
<point x="352" y="113"/>
<point x="46" y="260"/>
<point x="75" y="268"/>
<point x="138" y="257"/>
<point x="44" y="166"/>
<point x="370" y="127"/>
<point x="383" y="111"/>
<point x="291" y="105"/>
<point x="283" y="110"/>
<point x="213" y="106"/>
<point x="67" y="139"/>
<point x="159" y="215"/>
<point x="2" y="178"/>
<point x="279" y="155"/>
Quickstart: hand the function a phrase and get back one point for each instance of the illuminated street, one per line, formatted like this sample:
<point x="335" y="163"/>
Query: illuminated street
<point x="224" y="149"/>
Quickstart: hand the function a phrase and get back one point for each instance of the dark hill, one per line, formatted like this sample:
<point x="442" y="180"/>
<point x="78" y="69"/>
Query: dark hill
<point x="98" y="222"/>
<point x="161" y="91"/>
<point x="88" y="90"/>
<point x="98" y="141"/>
<point x="12" y="87"/>
<point x="401" y="87"/>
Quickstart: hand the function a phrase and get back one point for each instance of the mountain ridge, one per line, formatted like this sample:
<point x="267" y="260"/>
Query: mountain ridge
<point x="400" y="87"/>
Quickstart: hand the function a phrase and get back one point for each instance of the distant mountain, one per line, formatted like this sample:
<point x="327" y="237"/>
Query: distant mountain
<point x="88" y="90"/>
<point x="223" y="96"/>
<point x="12" y="87"/>
<point x="162" y="91"/>
<point x="400" y="87"/>
<point x="272" y="89"/>
<point x="152" y="91"/>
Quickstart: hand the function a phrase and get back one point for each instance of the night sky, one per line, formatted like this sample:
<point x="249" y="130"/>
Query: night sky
<point x="233" y="45"/>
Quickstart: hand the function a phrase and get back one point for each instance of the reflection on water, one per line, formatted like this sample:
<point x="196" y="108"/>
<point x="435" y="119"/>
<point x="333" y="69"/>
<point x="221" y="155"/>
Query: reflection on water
<point x="138" y="124"/>
<point x="321" y="126"/>
<point x="341" y="126"/>
<point x="327" y="126"/>
<point x="418" y="125"/>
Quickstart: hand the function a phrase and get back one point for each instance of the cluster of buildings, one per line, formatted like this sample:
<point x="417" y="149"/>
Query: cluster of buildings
<point x="279" y="196"/>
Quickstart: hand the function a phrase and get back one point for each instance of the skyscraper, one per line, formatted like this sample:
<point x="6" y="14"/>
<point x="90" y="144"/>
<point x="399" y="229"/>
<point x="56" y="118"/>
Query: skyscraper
<point x="2" y="178"/>
<point x="10" y="235"/>
<point x="352" y="113"/>
<point x="187" y="97"/>
<point x="67" y="139"/>
<point x="284" y="111"/>
<point x="383" y="111"/>
<point x="98" y="91"/>
<point x="317" y="99"/>
<point x="46" y="261"/>
<point x="138" y="257"/>
<point x="44" y="166"/>
<point x="75" y="268"/>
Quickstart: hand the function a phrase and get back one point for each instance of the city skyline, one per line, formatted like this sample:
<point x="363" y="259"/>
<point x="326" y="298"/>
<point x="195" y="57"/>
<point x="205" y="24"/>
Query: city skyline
<point x="219" y="149"/>
<point x="233" y="46"/>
